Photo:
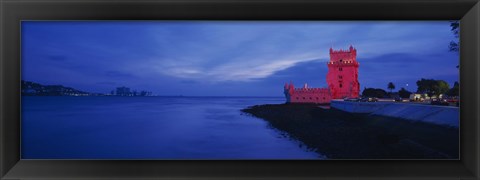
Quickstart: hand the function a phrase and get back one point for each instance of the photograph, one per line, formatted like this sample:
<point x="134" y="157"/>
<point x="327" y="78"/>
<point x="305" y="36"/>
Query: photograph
<point x="240" y="90"/>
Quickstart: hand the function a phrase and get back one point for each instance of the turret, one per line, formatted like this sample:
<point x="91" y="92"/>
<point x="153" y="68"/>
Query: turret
<point x="288" y="90"/>
<point x="342" y="76"/>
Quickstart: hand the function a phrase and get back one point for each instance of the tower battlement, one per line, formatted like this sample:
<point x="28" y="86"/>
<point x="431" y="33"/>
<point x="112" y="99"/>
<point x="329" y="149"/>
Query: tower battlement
<point x="351" y="49"/>
<point x="341" y="55"/>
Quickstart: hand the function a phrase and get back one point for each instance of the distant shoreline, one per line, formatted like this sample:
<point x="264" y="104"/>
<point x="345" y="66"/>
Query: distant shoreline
<point x="342" y="135"/>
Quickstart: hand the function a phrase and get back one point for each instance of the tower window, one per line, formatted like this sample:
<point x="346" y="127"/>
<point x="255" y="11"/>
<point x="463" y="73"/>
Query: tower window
<point x="340" y="85"/>
<point x="340" y="69"/>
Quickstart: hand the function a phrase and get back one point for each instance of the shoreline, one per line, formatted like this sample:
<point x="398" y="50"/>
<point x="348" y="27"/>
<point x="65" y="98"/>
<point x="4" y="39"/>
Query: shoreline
<point x="343" y="135"/>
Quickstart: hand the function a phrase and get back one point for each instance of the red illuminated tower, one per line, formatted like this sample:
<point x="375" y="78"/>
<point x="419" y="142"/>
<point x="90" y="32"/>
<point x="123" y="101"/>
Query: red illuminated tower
<point x="342" y="77"/>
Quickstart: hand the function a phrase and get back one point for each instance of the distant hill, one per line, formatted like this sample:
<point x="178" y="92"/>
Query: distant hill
<point x="36" y="89"/>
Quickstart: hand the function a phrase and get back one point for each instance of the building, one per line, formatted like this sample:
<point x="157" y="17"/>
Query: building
<point x="307" y="94"/>
<point x="342" y="76"/>
<point x="123" y="91"/>
<point x="342" y="80"/>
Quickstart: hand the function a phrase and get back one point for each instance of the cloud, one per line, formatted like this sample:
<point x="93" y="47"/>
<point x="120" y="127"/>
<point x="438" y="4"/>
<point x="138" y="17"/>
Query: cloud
<point x="249" y="51"/>
<point x="57" y="58"/>
<point x="178" y="53"/>
<point x="119" y="74"/>
<point x="238" y="70"/>
<point x="106" y="83"/>
<point x="188" y="82"/>
<point x="401" y="68"/>
<point x="256" y="70"/>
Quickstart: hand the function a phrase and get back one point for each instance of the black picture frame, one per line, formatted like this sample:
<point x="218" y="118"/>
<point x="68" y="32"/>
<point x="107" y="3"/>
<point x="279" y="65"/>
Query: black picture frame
<point x="14" y="11"/>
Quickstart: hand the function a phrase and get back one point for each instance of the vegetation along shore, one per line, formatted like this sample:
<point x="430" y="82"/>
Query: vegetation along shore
<point x="342" y="135"/>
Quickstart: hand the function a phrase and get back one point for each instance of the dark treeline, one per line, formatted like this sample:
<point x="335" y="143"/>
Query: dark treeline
<point x="36" y="89"/>
<point x="431" y="87"/>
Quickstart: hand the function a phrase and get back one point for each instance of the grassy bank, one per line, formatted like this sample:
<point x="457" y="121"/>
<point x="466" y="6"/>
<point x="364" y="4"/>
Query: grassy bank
<point x="341" y="135"/>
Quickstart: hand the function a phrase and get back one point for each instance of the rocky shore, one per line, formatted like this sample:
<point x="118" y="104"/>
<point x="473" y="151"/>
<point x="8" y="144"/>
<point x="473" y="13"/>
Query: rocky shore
<point x="342" y="135"/>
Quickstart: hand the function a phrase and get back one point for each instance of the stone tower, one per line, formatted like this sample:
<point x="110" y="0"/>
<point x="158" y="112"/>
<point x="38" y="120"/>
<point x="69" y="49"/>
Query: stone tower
<point x="342" y="76"/>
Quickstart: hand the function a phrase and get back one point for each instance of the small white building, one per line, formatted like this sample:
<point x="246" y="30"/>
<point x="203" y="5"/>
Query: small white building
<point x="419" y="97"/>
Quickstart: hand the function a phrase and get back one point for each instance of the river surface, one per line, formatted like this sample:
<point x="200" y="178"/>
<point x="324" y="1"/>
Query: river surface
<point x="62" y="127"/>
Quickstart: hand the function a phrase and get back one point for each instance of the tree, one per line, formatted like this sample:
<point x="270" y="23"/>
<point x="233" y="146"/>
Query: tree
<point x="432" y="87"/>
<point x="391" y="86"/>
<point x="454" y="46"/>
<point x="454" y="91"/>
<point x="372" y="92"/>
<point x="403" y="93"/>
<point x="442" y="87"/>
<point x="426" y="86"/>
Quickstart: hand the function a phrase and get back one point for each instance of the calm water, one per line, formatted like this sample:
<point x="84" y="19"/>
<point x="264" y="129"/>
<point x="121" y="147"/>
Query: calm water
<point x="151" y="128"/>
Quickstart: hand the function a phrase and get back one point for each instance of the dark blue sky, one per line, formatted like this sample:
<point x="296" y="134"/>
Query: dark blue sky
<point x="241" y="58"/>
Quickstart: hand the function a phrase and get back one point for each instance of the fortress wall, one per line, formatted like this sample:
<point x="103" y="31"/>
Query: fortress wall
<point x="320" y="96"/>
<point x="443" y="115"/>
